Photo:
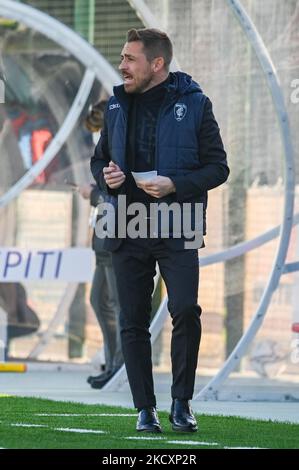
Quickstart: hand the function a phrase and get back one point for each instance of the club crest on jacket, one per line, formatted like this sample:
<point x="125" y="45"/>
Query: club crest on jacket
<point x="180" y="111"/>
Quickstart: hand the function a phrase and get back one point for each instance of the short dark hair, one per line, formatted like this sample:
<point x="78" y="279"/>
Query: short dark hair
<point x="156" y="43"/>
<point x="94" y="120"/>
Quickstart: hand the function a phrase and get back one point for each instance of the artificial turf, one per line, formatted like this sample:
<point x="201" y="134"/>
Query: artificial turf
<point x="17" y="415"/>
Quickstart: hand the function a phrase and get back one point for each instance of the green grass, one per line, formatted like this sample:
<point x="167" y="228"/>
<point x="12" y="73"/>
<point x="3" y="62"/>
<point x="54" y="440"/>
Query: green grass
<point x="225" y="431"/>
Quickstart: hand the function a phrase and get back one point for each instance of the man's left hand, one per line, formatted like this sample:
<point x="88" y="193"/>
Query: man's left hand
<point x="159" y="186"/>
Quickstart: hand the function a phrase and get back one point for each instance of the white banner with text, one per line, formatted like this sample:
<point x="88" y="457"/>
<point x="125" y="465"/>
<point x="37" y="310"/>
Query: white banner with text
<point x="68" y="264"/>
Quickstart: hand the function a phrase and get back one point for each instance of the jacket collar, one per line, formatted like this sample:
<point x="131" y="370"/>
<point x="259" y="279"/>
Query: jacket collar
<point x="124" y="98"/>
<point x="180" y="83"/>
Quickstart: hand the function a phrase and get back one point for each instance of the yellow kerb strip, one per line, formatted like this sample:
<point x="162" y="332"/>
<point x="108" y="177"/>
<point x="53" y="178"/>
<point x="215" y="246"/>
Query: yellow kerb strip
<point x="12" y="367"/>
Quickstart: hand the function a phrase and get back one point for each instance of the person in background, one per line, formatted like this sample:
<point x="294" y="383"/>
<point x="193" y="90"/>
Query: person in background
<point x="22" y="320"/>
<point x="103" y="295"/>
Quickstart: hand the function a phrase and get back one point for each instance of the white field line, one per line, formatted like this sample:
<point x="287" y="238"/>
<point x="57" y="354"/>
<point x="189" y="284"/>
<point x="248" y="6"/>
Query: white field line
<point x="227" y="447"/>
<point x="145" y="438"/>
<point x="87" y="414"/>
<point x="137" y="438"/>
<point x="194" y="443"/>
<point x="24" y="425"/>
<point x="83" y="431"/>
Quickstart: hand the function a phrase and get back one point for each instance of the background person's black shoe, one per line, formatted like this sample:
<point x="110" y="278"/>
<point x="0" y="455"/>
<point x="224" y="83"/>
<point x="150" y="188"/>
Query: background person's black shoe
<point x="91" y="378"/>
<point x="148" y="420"/>
<point x="181" y="416"/>
<point x="101" y="380"/>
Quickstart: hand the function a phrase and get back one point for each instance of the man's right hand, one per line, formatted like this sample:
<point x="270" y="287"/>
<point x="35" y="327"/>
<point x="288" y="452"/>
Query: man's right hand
<point x="113" y="175"/>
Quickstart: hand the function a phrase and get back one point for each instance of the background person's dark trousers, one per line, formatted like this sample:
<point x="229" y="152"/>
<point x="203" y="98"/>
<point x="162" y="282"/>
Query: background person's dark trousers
<point x="104" y="300"/>
<point x="134" y="264"/>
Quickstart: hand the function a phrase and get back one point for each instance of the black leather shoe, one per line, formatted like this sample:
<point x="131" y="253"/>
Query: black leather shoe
<point x="95" y="377"/>
<point x="101" y="380"/>
<point x="148" y="420"/>
<point x="181" y="416"/>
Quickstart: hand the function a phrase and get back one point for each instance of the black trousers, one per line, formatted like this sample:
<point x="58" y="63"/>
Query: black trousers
<point x="104" y="300"/>
<point x="134" y="263"/>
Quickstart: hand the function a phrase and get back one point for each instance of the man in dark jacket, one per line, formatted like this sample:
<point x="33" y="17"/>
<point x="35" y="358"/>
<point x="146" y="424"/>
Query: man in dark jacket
<point x="158" y="121"/>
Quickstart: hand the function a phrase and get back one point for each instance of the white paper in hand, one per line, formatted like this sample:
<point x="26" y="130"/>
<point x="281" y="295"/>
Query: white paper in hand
<point x="144" y="175"/>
